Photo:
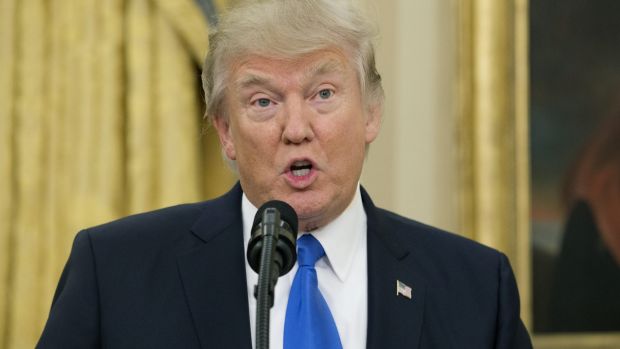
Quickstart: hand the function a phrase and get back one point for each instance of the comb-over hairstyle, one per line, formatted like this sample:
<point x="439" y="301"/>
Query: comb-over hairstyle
<point x="289" y="29"/>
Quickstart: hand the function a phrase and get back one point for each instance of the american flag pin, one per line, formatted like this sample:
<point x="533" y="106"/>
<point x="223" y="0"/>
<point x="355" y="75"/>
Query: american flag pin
<point x="402" y="289"/>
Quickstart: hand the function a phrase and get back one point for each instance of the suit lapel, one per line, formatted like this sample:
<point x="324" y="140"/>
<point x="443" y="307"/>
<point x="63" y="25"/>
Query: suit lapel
<point x="213" y="275"/>
<point x="215" y="283"/>
<point x="394" y="321"/>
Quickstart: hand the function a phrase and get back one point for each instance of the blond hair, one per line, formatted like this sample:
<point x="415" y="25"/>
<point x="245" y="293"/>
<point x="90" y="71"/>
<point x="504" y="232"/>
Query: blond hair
<point x="289" y="29"/>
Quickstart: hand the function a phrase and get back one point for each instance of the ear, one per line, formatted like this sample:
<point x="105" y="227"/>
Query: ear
<point x="373" y="121"/>
<point x="222" y="125"/>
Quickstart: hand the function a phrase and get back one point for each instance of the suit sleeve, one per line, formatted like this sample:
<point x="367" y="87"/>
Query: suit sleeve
<point x="511" y="333"/>
<point x="74" y="317"/>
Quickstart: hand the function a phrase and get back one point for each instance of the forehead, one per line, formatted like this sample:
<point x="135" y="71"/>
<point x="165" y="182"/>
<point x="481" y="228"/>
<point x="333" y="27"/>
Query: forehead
<point x="254" y="69"/>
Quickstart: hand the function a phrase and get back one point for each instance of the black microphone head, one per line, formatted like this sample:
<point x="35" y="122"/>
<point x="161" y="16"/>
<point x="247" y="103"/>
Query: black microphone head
<point x="287" y="214"/>
<point x="285" y="253"/>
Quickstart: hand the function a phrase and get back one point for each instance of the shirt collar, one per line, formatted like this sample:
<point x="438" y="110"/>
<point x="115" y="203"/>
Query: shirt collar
<point x="340" y="238"/>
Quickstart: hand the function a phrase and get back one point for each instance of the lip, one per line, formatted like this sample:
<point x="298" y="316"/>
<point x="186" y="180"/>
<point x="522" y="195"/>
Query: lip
<point x="300" y="182"/>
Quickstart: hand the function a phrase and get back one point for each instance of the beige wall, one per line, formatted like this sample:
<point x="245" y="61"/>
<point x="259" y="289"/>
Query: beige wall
<point x="411" y="168"/>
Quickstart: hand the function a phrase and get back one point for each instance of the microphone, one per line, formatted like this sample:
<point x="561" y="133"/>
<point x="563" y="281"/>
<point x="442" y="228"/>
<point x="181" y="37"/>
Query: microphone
<point x="274" y="218"/>
<point x="271" y="253"/>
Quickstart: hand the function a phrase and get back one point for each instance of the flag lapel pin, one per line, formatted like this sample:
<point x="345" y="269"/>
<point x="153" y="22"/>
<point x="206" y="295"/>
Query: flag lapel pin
<point x="402" y="289"/>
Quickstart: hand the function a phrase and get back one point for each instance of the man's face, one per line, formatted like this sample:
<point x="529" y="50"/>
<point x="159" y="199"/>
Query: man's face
<point x="298" y="131"/>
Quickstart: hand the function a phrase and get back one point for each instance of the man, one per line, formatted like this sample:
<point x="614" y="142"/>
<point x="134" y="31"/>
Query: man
<point x="292" y="90"/>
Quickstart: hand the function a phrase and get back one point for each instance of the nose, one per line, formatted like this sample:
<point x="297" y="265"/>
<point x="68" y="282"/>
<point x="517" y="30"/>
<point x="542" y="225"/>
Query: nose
<point x="297" y="126"/>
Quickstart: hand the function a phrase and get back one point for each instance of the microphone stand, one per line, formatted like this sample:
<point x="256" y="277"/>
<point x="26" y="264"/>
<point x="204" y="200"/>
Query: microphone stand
<point x="271" y="251"/>
<point x="267" y="276"/>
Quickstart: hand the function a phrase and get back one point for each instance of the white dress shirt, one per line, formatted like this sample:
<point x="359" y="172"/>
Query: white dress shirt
<point x="342" y="274"/>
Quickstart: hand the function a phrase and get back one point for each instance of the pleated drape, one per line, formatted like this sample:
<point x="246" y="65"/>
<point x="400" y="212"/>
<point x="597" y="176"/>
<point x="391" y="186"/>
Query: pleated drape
<point x="7" y="59"/>
<point x="100" y="117"/>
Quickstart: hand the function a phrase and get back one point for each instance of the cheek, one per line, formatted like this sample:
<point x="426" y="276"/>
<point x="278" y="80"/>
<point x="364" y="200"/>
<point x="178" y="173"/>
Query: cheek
<point x="348" y="134"/>
<point x="256" y="143"/>
<point x="345" y="143"/>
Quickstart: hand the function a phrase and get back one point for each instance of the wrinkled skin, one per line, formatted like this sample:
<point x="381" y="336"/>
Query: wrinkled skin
<point x="307" y="112"/>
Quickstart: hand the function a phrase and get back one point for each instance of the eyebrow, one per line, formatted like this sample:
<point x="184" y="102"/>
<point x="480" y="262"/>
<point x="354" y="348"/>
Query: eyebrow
<point x="326" y="67"/>
<point x="322" y="68"/>
<point x="252" y="80"/>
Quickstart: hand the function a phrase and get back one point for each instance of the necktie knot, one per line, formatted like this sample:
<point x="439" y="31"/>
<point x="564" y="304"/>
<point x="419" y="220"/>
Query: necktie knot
<point x="309" y="323"/>
<point x="309" y="250"/>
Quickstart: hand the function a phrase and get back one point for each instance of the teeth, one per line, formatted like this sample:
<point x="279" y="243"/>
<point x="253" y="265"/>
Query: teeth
<point x="301" y="163"/>
<point x="301" y="168"/>
<point x="302" y="172"/>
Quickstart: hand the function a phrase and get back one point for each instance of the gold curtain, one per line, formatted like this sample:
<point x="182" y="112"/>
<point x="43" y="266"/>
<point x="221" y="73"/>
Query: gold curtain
<point x="493" y="131"/>
<point x="100" y="117"/>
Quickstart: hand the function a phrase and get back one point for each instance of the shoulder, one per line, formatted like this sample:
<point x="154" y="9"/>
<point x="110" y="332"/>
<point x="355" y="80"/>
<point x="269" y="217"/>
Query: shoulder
<point x="470" y="287"/>
<point x="430" y="240"/>
<point x="447" y="260"/>
<point x="167" y="230"/>
<point x="459" y="275"/>
<point x="149" y="224"/>
<point x="132" y="242"/>
<point x="426" y="244"/>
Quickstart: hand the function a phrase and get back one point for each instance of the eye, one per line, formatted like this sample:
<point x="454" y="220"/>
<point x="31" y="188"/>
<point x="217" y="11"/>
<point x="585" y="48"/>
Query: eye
<point x="263" y="102"/>
<point x="325" y="93"/>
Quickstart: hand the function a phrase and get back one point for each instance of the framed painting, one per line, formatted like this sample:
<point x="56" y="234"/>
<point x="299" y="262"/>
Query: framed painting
<point x="575" y="166"/>
<point x="539" y="92"/>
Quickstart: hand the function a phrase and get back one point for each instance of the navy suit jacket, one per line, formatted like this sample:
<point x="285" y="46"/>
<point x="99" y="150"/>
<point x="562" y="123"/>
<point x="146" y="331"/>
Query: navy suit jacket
<point x="175" y="278"/>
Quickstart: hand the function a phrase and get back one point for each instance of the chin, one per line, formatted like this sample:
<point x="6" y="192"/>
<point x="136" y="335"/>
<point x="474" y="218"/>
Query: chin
<point x="305" y="212"/>
<point x="308" y="226"/>
<point x="311" y="217"/>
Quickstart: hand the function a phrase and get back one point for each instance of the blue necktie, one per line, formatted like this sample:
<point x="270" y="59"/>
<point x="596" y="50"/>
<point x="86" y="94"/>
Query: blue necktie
<point x="309" y="323"/>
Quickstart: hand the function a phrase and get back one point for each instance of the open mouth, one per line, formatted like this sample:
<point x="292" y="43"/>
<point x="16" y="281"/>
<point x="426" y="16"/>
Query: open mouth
<point x="301" y="168"/>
